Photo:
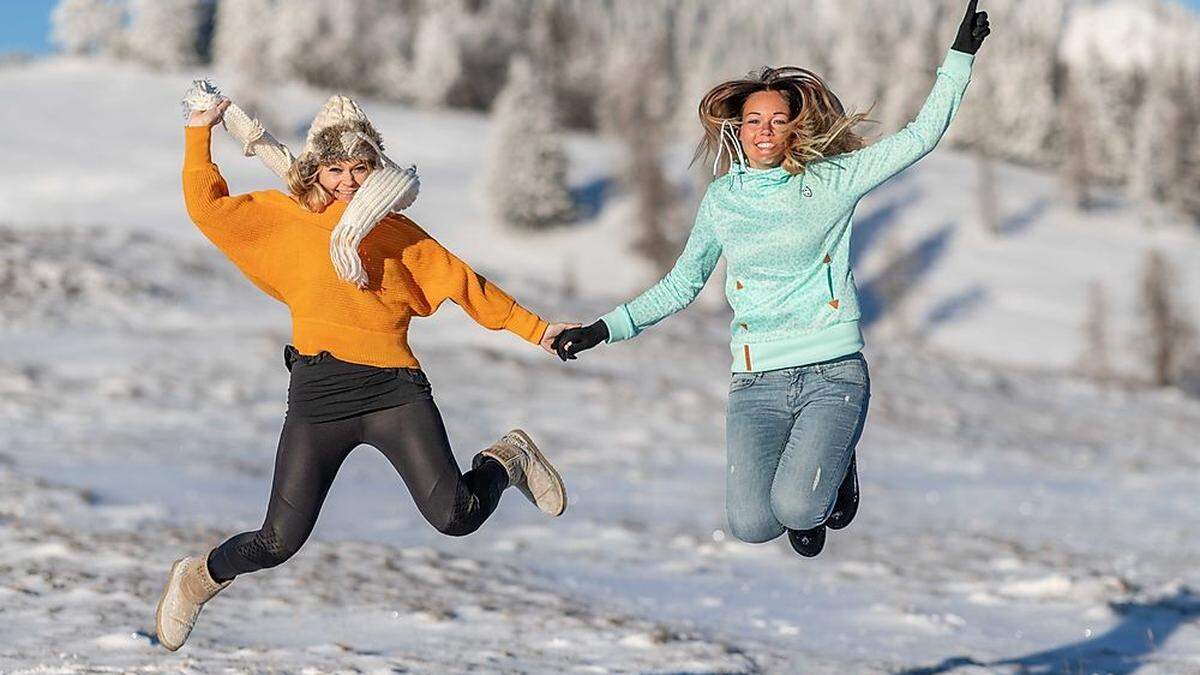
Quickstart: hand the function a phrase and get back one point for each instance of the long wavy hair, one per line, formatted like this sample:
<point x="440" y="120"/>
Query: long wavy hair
<point x="818" y="124"/>
<point x="306" y="189"/>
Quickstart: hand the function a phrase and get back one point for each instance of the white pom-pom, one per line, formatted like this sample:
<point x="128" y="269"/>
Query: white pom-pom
<point x="202" y="95"/>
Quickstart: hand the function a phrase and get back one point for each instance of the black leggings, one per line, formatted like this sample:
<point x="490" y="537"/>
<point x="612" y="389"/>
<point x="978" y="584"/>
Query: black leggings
<point x="413" y="439"/>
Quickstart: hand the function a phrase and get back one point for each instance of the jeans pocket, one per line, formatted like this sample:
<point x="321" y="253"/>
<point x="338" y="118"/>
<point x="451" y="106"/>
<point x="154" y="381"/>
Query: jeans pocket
<point x="742" y="380"/>
<point x="848" y="371"/>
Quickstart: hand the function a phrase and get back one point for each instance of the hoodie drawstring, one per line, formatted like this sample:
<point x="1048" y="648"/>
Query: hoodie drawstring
<point x="729" y="136"/>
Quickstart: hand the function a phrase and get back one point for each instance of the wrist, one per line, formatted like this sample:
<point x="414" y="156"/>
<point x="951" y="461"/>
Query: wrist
<point x="599" y="329"/>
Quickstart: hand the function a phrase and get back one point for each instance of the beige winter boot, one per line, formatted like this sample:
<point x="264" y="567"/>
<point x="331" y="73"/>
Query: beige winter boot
<point x="529" y="471"/>
<point x="188" y="587"/>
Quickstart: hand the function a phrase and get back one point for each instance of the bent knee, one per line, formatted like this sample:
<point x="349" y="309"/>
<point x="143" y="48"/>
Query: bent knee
<point x="453" y="525"/>
<point x="800" y="512"/>
<point x="754" y="528"/>
<point x="268" y="549"/>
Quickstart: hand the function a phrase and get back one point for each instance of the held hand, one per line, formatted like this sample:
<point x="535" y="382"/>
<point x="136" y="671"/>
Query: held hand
<point x="575" y="340"/>
<point x="974" y="29"/>
<point x="552" y="332"/>
<point x="210" y="117"/>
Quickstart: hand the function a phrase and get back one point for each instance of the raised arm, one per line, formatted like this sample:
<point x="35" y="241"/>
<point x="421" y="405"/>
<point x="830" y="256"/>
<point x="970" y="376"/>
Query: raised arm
<point x="230" y="222"/>
<point x="857" y="173"/>
<point x="233" y="224"/>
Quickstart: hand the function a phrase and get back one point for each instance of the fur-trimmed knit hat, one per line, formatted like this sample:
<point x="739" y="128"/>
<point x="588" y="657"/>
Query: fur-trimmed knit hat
<point x="340" y="132"/>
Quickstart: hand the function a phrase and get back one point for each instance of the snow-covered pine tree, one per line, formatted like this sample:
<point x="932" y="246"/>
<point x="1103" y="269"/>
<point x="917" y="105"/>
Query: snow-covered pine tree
<point x="527" y="177"/>
<point x="86" y="26"/>
<point x="437" y="66"/>
<point x="169" y="33"/>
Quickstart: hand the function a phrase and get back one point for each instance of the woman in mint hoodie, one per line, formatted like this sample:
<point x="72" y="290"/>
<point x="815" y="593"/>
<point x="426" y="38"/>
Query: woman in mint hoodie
<point x="781" y="216"/>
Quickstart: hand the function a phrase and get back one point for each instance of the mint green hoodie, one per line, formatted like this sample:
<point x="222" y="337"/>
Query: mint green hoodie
<point x="786" y="241"/>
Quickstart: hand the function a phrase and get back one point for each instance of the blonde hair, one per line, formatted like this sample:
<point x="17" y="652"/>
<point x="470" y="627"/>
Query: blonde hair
<point x="818" y="125"/>
<point x="303" y="183"/>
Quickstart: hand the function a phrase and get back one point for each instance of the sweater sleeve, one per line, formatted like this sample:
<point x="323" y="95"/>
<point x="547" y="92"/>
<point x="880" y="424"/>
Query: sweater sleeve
<point x="440" y="276"/>
<point x="235" y="224"/>
<point x="859" y="172"/>
<point x="677" y="289"/>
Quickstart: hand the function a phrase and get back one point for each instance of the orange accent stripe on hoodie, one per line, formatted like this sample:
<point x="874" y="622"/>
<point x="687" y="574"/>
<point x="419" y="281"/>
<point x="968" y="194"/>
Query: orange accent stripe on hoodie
<point x="746" y="351"/>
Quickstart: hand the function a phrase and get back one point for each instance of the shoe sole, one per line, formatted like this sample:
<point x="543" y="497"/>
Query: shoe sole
<point x="158" y="627"/>
<point x="562" y="488"/>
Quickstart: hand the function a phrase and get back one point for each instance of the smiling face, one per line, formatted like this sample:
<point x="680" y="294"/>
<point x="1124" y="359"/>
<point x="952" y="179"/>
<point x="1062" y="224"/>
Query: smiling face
<point x="765" y="116"/>
<point x="342" y="179"/>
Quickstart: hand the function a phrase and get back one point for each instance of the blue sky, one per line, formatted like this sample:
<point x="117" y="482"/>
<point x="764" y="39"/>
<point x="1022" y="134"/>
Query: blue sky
<point x="26" y="24"/>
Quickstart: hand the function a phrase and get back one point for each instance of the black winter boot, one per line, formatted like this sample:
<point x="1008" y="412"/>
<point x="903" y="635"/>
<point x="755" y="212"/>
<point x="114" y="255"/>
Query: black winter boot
<point x="846" y="506"/>
<point x="807" y="543"/>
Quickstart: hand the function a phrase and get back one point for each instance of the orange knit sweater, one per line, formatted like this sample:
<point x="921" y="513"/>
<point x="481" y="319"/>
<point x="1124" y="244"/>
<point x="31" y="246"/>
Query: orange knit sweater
<point x="284" y="250"/>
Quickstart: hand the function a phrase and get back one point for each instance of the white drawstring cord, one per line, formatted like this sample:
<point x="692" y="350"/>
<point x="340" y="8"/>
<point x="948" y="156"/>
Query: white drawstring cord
<point x="729" y="136"/>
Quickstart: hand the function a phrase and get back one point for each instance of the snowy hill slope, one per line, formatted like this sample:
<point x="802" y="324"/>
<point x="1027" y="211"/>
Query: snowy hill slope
<point x="1014" y="519"/>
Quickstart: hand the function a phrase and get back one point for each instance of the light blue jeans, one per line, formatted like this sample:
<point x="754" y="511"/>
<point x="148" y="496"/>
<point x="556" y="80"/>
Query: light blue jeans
<point x="790" y="435"/>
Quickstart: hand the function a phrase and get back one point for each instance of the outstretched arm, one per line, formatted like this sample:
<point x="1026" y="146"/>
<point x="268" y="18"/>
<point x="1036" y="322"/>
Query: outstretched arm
<point x="441" y="276"/>
<point x="672" y="293"/>
<point x="857" y="173"/>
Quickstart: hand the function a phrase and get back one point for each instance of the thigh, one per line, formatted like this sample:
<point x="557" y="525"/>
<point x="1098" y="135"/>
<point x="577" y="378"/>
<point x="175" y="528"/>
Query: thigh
<point x="413" y="438"/>
<point x="758" y="421"/>
<point x="306" y="463"/>
<point x="827" y="428"/>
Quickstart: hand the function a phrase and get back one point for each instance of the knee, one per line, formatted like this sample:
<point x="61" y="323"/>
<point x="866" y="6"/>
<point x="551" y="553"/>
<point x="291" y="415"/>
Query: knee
<point x="270" y="549"/>
<point x="753" y="528"/>
<point x="798" y="511"/>
<point x="452" y="524"/>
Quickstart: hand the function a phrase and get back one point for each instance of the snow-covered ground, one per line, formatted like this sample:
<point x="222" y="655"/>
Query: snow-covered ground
<point x="1016" y="517"/>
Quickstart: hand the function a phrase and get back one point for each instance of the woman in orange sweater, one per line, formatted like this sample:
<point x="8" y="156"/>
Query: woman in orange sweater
<point x="354" y="379"/>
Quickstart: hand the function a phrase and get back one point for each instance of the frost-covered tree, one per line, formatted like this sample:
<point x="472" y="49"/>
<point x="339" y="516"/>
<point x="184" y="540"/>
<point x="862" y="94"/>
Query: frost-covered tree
<point x="636" y="109"/>
<point x="242" y="35"/>
<point x="1074" y="139"/>
<point x="169" y="33"/>
<point x="528" y="172"/>
<point x="437" y="66"/>
<point x="1158" y="158"/>
<point x="320" y="43"/>
<point x="1009" y="110"/>
<point x="86" y="26"/>
<point x="361" y="46"/>
<point x="1168" y="333"/>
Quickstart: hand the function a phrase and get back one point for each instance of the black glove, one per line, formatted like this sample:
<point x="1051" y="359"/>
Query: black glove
<point x="973" y="30"/>
<point x="574" y="340"/>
